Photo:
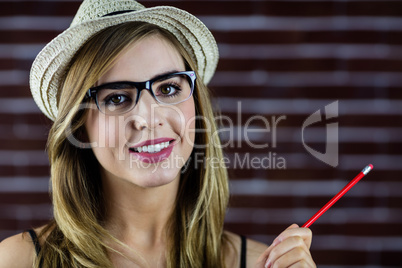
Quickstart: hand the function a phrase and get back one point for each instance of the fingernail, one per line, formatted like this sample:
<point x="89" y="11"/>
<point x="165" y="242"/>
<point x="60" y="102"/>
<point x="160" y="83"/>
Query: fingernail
<point x="268" y="264"/>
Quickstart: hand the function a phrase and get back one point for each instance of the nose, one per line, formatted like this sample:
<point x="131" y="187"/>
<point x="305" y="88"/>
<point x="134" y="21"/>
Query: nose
<point x="147" y="112"/>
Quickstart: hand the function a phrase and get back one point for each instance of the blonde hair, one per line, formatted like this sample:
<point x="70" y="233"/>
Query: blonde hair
<point x="76" y="237"/>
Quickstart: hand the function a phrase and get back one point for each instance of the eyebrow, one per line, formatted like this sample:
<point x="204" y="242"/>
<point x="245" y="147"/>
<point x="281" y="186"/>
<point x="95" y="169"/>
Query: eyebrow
<point x="152" y="78"/>
<point x="163" y="74"/>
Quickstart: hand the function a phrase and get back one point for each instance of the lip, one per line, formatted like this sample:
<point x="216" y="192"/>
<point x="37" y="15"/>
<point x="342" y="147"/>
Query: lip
<point x="153" y="157"/>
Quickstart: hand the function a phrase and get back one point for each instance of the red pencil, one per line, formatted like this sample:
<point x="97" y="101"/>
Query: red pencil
<point x="338" y="195"/>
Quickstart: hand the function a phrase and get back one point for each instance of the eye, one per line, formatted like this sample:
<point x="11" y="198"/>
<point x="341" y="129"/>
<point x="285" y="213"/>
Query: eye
<point x="168" y="90"/>
<point x="117" y="99"/>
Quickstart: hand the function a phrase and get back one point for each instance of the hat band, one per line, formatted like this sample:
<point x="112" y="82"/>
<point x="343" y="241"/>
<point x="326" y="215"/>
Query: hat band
<point x="117" y="13"/>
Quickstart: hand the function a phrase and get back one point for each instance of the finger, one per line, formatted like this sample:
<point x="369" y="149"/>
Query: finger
<point x="292" y="231"/>
<point x="261" y="261"/>
<point x="288" y="251"/>
<point x="295" y="230"/>
<point x="263" y="258"/>
<point x="303" y="263"/>
<point x="296" y="258"/>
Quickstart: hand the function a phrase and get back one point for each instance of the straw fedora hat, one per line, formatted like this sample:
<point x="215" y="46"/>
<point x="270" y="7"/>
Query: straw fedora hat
<point x="96" y="15"/>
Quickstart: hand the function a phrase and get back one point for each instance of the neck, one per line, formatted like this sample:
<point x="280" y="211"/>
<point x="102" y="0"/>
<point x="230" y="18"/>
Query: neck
<point x="138" y="216"/>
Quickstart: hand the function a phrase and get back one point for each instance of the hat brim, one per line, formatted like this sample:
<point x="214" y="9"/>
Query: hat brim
<point x="52" y="61"/>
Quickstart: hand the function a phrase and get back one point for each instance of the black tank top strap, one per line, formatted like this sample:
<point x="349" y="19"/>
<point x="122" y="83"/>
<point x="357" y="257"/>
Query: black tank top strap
<point x="243" y="251"/>
<point x="35" y="241"/>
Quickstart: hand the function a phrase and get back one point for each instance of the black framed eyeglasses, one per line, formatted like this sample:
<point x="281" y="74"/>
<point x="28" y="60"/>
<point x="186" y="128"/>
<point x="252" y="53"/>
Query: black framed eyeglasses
<point x="121" y="97"/>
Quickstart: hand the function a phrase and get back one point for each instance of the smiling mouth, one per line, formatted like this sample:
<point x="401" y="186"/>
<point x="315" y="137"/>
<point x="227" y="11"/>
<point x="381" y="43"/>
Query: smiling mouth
<point x="152" y="148"/>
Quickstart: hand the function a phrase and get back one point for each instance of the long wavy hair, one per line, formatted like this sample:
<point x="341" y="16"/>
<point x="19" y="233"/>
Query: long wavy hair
<point x="76" y="237"/>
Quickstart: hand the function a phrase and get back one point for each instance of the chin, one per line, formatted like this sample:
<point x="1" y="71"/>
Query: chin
<point x="156" y="178"/>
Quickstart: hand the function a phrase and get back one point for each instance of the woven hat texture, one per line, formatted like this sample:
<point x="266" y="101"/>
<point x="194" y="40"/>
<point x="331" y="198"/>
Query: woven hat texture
<point x="51" y="62"/>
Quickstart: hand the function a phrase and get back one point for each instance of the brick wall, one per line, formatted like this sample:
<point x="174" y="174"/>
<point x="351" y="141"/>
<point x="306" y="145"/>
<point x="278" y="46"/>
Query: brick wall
<point x="281" y="61"/>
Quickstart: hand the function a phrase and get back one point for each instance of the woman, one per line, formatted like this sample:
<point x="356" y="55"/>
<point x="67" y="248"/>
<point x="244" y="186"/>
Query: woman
<point x="125" y="86"/>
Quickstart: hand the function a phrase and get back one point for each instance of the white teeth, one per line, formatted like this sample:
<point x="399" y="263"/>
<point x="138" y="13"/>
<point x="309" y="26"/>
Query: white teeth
<point x="152" y="148"/>
<point x="157" y="148"/>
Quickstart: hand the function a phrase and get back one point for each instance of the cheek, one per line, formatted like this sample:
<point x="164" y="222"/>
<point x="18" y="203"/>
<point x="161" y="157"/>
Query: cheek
<point x="188" y="121"/>
<point x="101" y="130"/>
<point x="92" y="127"/>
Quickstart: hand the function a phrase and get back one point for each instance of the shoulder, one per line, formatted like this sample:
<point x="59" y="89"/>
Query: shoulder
<point x="254" y="250"/>
<point x="17" y="251"/>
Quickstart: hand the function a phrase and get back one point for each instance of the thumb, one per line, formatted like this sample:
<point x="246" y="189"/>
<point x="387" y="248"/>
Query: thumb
<point x="294" y="225"/>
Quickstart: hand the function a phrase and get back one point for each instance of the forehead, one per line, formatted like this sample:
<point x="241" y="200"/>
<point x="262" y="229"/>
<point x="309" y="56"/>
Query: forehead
<point x="144" y="59"/>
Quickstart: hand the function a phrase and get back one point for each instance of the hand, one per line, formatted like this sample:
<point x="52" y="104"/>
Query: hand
<point x="290" y="249"/>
